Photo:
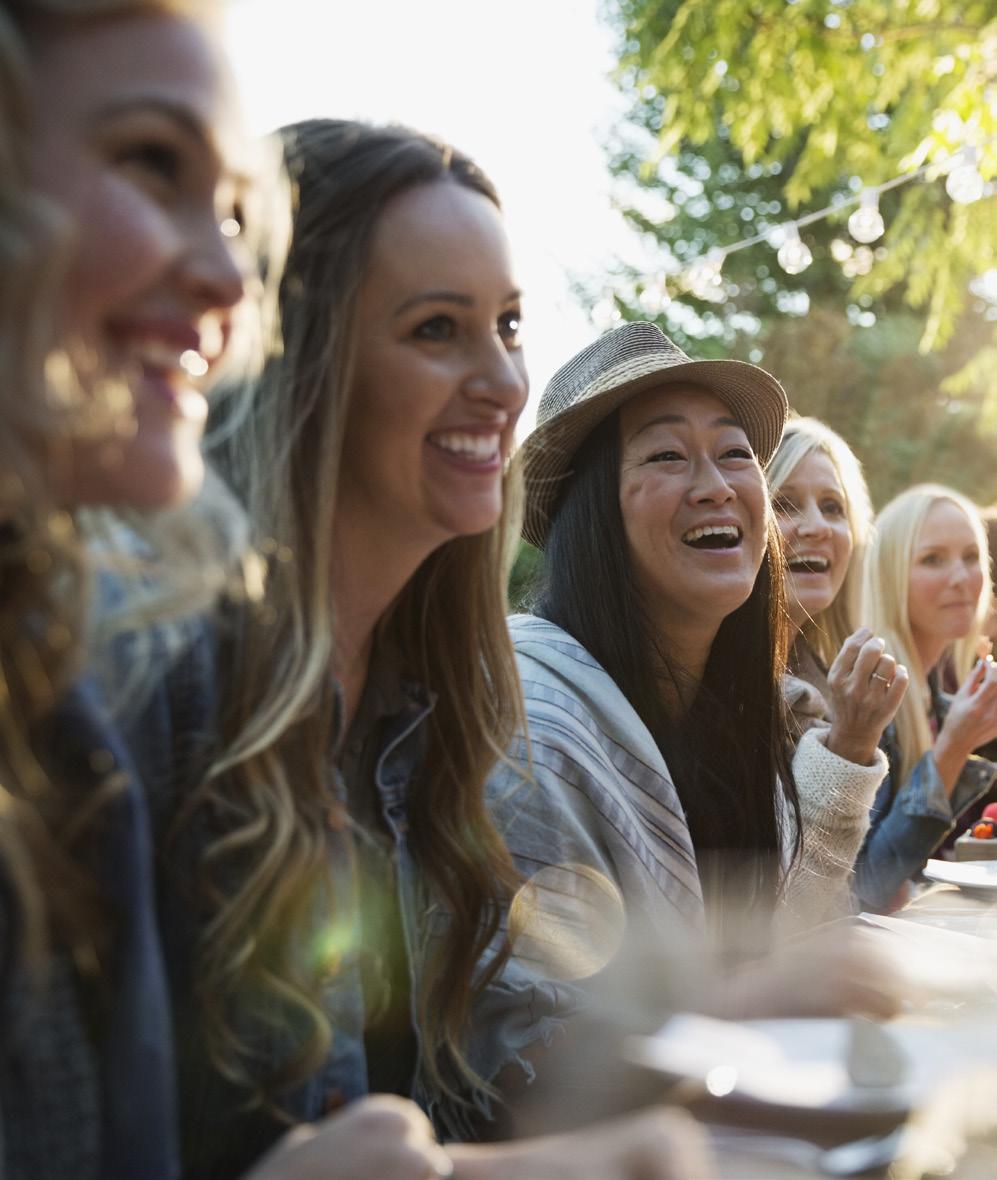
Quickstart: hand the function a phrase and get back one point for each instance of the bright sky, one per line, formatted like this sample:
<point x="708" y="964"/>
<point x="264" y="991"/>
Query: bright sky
<point x="520" y="85"/>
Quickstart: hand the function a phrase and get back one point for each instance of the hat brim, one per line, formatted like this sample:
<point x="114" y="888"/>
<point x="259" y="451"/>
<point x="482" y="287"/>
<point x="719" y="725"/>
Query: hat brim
<point x="754" y="396"/>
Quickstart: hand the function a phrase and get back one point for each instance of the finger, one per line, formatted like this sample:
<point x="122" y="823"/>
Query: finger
<point x="865" y="663"/>
<point x="896" y="692"/>
<point x="845" y="659"/>
<point x="986" y="687"/>
<point x="667" y="1145"/>
<point x="884" y="671"/>
<point x="977" y="674"/>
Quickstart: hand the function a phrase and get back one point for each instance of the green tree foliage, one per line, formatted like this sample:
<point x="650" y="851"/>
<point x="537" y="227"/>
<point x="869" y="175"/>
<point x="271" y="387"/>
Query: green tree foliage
<point x="825" y="91"/>
<point x="747" y="113"/>
<point x="524" y="581"/>
<point x="875" y="388"/>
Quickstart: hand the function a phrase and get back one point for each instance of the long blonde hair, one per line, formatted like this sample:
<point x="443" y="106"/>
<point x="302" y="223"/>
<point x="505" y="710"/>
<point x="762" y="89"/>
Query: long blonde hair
<point x="271" y="782"/>
<point x="828" y="630"/>
<point x="884" y="604"/>
<point x="46" y="566"/>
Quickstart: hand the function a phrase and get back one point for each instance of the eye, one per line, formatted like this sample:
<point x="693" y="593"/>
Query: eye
<point x="931" y="559"/>
<point x="509" y="326"/>
<point x="741" y="451"/>
<point x="439" y="328"/>
<point x="156" y="157"/>
<point x="664" y="457"/>
<point x="832" y="508"/>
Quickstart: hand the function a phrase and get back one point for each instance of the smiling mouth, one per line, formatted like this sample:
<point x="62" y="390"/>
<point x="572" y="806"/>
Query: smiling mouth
<point x="717" y="536"/>
<point x="472" y="448"/>
<point x="808" y="563"/>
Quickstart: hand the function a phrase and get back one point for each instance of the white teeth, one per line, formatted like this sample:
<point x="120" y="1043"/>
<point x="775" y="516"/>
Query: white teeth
<point x="713" y="530"/>
<point x="481" y="448"/>
<point x="816" y="561"/>
<point x="159" y="355"/>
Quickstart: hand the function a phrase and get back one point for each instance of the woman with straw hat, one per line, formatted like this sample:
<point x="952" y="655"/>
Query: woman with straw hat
<point x="653" y="665"/>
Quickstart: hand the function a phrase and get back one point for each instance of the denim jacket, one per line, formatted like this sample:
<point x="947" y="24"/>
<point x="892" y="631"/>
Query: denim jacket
<point x="518" y="1009"/>
<point x="221" y="1139"/>
<point x="909" y="822"/>
<point x="87" y="1080"/>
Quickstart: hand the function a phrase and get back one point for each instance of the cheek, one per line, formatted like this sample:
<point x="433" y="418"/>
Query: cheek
<point x="921" y="590"/>
<point x="125" y="246"/>
<point x="844" y="545"/>
<point x="644" y="506"/>
<point x="976" y="583"/>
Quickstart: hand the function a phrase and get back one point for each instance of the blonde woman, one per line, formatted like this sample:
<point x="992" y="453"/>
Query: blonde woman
<point x="927" y="593"/>
<point x="842" y="676"/>
<point x="116" y="136"/>
<point x="353" y="877"/>
<point x="113" y="266"/>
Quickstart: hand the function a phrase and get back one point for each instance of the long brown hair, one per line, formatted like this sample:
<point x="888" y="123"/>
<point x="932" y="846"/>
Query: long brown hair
<point x="278" y="721"/>
<point x="46" y="402"/>
<point x="728" y="752"/>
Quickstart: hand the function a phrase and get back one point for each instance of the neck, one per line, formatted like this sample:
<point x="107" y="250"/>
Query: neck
<point x="930" y="650"/>
<point x="686" y="648"/>
<point x="369" y="576"/>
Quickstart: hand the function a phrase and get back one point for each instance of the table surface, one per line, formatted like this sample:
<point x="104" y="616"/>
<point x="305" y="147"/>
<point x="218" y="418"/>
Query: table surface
<point x="944" y="907"/>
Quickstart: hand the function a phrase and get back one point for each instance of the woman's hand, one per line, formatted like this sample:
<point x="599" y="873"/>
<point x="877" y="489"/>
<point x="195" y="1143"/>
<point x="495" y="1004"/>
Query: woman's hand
<point x="866" y="685"/>
<point x="655" y="1144"/>
<point x="971" y="722"/>
<point x="389" y="1138"/>
<point x="832" y="971"/>
<point x="378" y="1138"/>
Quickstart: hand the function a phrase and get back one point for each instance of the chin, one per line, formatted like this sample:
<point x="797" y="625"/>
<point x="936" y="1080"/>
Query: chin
<point x="157" y="483"/>
<point x="467" y="523"/>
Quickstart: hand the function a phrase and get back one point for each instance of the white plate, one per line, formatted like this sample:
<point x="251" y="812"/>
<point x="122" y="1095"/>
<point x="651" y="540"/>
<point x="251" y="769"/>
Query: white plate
<point x="975" y="876"/>
<point x="792" y="1064"/>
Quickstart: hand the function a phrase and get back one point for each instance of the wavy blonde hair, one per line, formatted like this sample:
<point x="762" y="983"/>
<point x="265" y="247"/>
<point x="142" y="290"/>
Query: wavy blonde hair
<point x="271" y="784"/>
<point x="828" y="630"/>
<point x="46" y="559"/>
<point x="884" y="604"/>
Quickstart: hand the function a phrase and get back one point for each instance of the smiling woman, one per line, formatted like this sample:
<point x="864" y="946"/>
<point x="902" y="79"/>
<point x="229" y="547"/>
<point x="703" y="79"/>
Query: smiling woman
<point x="653" y="668"/>
<point x="111" y="267"/>
<point x="926" y="592"/>
<point x="143" y="156"/>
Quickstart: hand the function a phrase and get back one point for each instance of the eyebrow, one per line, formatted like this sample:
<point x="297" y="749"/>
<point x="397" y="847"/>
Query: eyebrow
<point x="827" y="490"/>
<point x="454" y="297"/>
<point x="680" y="419"/>
<point x="177" y="113"/>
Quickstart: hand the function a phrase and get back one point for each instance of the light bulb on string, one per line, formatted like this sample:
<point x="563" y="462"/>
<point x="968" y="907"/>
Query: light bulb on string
<point x="841" y="250"/>
<point x="964" y="184"/>
<point x="866" y="223"/>
<point x="794" y="254"/>
<point x="654" y="298"/>
<point x="703" y="278"/>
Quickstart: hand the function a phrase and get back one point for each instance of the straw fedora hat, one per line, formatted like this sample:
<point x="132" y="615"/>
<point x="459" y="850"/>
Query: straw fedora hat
<point x="627" y="361"/>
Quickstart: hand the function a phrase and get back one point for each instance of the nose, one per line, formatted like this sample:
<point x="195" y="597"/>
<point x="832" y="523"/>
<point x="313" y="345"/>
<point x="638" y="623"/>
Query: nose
<point x="811" y="522"/>
<point x="212" y="274"/>
<point x="499" y="379"/>
<point x="958" y="574"/>
<point x="710" y="484"/>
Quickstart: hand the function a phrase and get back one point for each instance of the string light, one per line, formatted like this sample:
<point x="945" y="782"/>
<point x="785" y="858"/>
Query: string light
<point x="866" y="223"/>
<point x="964" y="184"/>
<point x="704" y="279"/>
<point x="794" y="254"/>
